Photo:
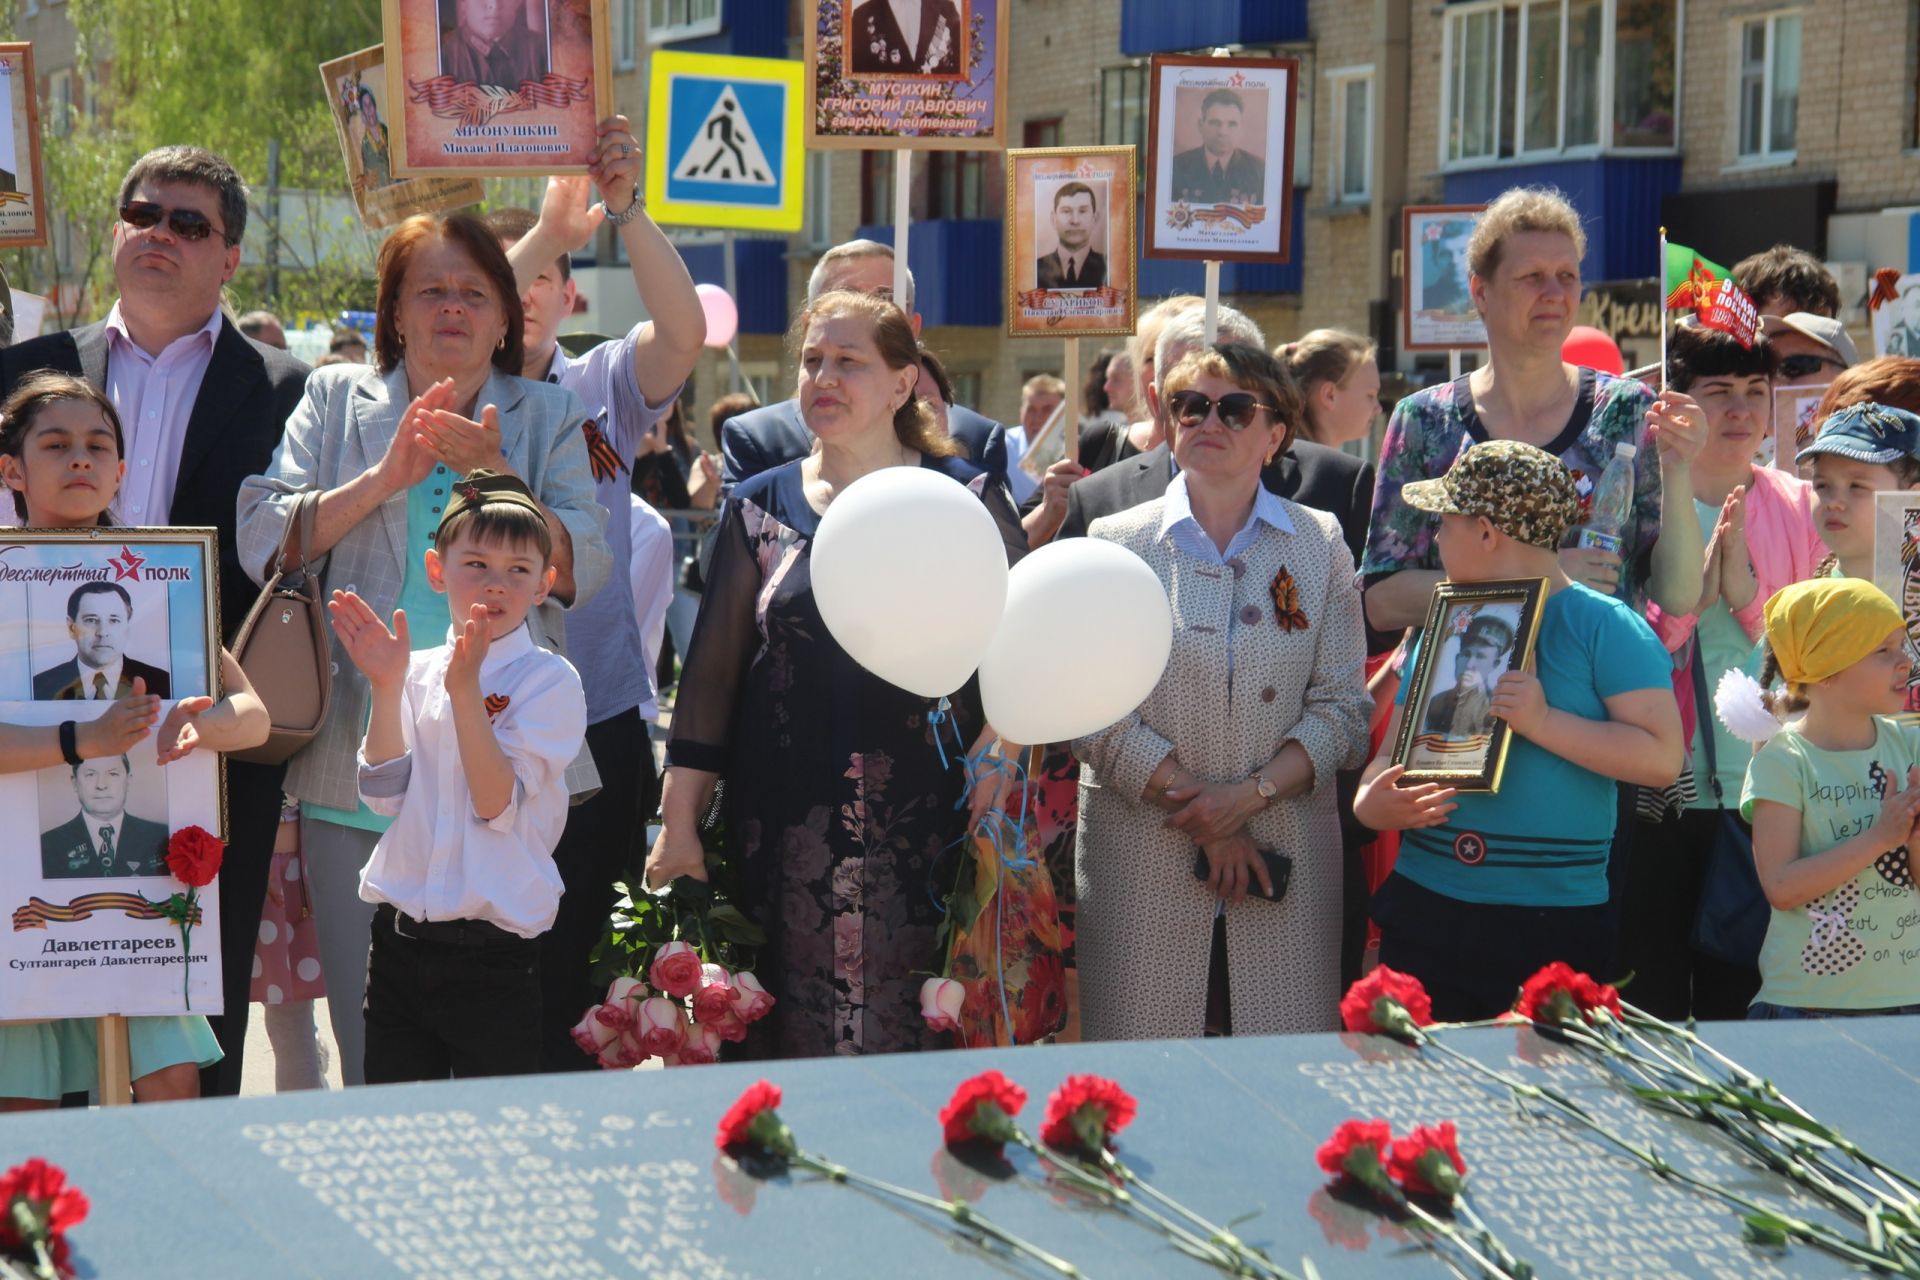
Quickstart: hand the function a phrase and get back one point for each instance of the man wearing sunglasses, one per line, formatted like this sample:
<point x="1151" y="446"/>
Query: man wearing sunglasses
<point x="202" y="408"/>
<point x="1812" y="349"/>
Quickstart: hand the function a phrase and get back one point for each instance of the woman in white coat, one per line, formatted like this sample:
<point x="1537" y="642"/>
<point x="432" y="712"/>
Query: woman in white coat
<point x="1234" y="753"/>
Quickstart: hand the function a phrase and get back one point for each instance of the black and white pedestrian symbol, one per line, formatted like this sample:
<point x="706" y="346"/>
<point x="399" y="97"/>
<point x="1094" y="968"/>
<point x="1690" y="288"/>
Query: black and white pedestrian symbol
<point x="724" y="148"/>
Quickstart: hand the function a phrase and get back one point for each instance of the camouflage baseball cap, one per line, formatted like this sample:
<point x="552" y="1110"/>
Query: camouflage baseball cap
<point x="1525" y="491"/>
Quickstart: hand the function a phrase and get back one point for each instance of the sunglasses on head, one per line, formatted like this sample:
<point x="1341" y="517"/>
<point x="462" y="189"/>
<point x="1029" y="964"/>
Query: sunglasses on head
<point x="1237" y="408"/>
<point x="188" y="224"/>
<point x="1806" y="366"/>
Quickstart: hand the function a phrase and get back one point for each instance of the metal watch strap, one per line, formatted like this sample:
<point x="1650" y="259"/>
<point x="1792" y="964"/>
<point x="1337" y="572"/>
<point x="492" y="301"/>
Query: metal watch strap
<point x="627" y="214"/>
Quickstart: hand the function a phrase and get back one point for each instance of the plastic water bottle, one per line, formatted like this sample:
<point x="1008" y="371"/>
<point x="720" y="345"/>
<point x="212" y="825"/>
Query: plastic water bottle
<point x="1612" y="503"/>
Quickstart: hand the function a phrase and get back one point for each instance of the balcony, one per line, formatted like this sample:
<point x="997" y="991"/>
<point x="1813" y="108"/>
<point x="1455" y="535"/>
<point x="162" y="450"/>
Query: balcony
<point x="1619" y="199"/>
<point x="760" y="279"/>
<point x="748" y="29"/>
<point x="1165" y="26"/>
<point x="958" y="268"/>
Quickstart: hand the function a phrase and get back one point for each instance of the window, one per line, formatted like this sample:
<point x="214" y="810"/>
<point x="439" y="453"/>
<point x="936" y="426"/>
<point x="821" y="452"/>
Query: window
<point x="966" y="386"/>
<point x="762" y="376"/>
<point x="681" y="19"/>
<point x="1768" y="88"/>
<point x="1123" y="106"/>
<point x="817" y="228"/>
<point x="60" y="103"/>
<point x="957" y="184"/>
<point x="626" y="34"/>
<point x="876" y="188"/>
<point x="1531" y="78"/>
<point x="1351" y="174"/>
<point x="1041" y="133"/>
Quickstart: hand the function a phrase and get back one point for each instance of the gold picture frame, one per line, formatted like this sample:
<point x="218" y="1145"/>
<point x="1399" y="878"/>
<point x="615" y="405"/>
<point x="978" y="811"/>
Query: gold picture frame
<point x="356" y="91"/>
<point x="863" y="94"/>
<point x="1050" y="192"/>
<point x="23" y="202"/>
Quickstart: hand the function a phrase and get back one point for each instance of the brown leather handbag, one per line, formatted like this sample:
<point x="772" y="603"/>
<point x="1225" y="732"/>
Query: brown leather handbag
<point x="283" y="646"/>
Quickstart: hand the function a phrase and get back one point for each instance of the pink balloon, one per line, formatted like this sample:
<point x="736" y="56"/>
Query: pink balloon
<point x="723" y="318"/>
<point x="1588" y="346"/>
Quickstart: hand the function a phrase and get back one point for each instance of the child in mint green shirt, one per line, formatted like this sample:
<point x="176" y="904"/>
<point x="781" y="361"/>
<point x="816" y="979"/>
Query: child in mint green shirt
<point x="1834" y="801"/>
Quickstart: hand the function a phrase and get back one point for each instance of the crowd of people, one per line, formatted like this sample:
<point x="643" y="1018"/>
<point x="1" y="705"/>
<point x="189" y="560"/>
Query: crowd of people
<point x="483" y="512"/>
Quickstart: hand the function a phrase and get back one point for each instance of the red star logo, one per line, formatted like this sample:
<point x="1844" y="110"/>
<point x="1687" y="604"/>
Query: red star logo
<point x="126" y="564"/>
<point x="1237" y="79"/>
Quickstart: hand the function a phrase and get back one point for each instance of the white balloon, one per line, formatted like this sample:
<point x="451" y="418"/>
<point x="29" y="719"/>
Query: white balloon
<point x="1085" y="639"/>
<point x="910" y="574"/>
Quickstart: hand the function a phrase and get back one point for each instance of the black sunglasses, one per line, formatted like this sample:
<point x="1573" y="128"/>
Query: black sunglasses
<point x="1237" y="408"/>
<point x="188" y="224"/>
<point x="1806" y="365"/>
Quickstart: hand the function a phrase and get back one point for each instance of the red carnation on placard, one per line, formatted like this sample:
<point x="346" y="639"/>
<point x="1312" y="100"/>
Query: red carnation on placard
<point x="1085" y="1113"/>
<point x="754" y="1120"/>
<point x="1387" y="1002"/>
<point x="193" y="856"/>
<point x="982" y="1109"/>
<point x="1427" y="1161"/>
<point x="1358" y="1150"/>
<point x="1560" y="995"/>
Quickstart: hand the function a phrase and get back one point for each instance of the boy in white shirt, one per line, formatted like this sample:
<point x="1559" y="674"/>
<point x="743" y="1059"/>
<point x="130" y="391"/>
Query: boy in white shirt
<point x="465" y="747"/>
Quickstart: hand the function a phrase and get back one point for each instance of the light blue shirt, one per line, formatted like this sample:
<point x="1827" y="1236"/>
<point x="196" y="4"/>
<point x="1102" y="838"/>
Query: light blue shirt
<point x="1177" y="522"/>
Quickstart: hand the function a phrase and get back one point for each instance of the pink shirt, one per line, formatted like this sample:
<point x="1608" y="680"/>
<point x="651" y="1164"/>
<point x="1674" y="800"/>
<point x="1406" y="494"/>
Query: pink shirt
<point x="154" y="396"/>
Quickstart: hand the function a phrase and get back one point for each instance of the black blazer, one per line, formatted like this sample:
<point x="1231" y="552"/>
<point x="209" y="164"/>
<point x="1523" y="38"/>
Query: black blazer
<point x="1050" y="272"/>
<point x="139" y="849"/>
<point x="1193" y="178"/>
<point x="773" y="434"/>
<point x="62" y="683"/>
<point x="249" y="392"/>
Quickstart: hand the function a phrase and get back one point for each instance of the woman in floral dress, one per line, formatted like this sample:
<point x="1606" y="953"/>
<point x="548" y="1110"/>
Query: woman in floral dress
<point x="841" y="818"/>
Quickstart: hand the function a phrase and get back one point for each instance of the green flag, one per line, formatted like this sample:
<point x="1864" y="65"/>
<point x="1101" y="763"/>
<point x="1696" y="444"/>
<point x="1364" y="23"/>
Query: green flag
<point x="1689" y="277"/>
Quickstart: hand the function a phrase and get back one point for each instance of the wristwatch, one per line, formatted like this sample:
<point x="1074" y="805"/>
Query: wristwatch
<point x="629" y="213"/>
<point x="1264" y="785"/>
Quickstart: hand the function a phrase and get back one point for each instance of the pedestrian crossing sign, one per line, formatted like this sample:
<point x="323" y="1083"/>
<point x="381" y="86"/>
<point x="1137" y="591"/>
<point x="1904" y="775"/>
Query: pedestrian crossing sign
<point x="724" y="142"/>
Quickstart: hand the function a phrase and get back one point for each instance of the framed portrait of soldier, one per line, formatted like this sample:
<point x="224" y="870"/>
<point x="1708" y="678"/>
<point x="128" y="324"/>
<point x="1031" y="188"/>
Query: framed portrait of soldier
<point x="1475" y="633"/>
<point x="1896" y="324"/>
<point x="23" y="205"/>
<point x="356" y="90"/>
<point x="508" y="87"/>
<point x="1794" y="408"/>
<point x="1436" y="306"/>
<point x="907" y="74"/>
<point x="1070" y="259"/>
<point x="88" y="618"/>
<point x="1896" y="560"/>
<point x="1220" y="158"/>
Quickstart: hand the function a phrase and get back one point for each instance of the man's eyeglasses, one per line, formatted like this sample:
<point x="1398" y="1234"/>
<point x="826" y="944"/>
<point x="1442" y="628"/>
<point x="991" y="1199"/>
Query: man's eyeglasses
<point x="188" y="224"/>
<point x="1237" y="408"/>
<point x="1793" y="368"/>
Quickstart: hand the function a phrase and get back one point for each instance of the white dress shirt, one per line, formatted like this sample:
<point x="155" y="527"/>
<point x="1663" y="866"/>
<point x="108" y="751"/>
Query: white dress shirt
<point x="440" y="860"/>
<point x="650" y="571"/>
<point x="154" y="397"/>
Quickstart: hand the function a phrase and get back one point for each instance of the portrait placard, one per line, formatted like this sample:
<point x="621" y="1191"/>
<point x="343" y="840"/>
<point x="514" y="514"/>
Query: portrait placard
<point x="356" y="89"/>
<point x="877" y="85"/>
<point x="1896" y="326"/>
<point x="496" y="87"/>
<point x="1793" y="423"/>
<point x="1475" y="633"/>
<point x="1436" y="307"/>
<point x="1070" y="261"/>
<point x="1896" y="560"/>
<point x="23" y="206"/>
<point x="1220" y="158"/>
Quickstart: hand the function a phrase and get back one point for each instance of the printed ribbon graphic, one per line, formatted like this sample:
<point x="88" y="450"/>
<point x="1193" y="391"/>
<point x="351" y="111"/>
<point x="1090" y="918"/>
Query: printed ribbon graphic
<point x="38" y="913"/>
<point x="475" y="104"/>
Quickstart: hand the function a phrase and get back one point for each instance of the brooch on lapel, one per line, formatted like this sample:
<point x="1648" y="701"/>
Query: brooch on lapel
<point x="496" y="703"/>
<point x="1286" y="602"/>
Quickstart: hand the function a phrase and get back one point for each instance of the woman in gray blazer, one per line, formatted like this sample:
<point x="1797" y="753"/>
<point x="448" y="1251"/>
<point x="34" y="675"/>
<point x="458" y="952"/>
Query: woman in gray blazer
<point x="1234" y="752"/>
<point x="383" y="446"/>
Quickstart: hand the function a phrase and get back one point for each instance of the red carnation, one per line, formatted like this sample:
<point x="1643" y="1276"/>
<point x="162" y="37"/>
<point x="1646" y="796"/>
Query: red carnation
<point x="1427" y="1161"/>
<point x="1387" y="1002"/>
<point x="754" y="1120"/>
<point x="1354" y="1146"/>
<point x="983" y="1108"/>
<point x="193" y="856"/>
<point x="43" y="1189"/>
<point x="1560" y="995"/>
<point x="1085" y="1112"/>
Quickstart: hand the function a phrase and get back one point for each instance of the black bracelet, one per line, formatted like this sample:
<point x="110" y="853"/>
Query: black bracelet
<point x="69" y="751"/>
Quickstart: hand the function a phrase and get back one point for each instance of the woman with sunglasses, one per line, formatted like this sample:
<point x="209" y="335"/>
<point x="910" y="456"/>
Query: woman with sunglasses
<point x="1523" y="265"/>
<point x="382" y="446"/>
<point x="1231" y="759"/>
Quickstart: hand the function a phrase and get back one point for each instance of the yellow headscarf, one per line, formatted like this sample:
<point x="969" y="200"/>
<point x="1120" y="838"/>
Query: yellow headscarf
<point x="1820" y="628"/>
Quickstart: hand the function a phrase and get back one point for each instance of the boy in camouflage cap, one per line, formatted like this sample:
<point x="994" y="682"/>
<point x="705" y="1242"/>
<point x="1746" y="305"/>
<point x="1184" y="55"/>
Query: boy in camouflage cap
<point x="1522" y="872"/>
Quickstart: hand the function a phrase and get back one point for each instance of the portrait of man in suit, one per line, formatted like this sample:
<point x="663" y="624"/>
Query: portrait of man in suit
<point x="1219" y="171"/>
<point x="1075" y="264"/>
<point x="1465" y="709"/>
<point x="99" y="620"/>
<point x="907" y="37"/>
<point x="103" y="839"/>
<point x="491" y="43"/>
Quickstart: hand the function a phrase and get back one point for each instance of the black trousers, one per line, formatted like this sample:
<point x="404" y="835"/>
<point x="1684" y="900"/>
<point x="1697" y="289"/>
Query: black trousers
<point x="595" y="851"/>
<point x="452" y="998"/>
<point x="1666" y="868"/>
<point x="253" y="820"/>
<point x="1473" y="956"/>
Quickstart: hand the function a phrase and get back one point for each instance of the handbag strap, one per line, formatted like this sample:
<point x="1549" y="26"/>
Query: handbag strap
<point x="1704" y="714"/>
<point x="306" y="511"/>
